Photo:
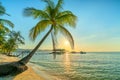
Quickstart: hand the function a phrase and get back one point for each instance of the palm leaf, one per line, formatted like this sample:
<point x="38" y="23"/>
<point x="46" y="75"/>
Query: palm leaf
<point x="50" y="8"/>
<point x="58" y="6"/>
<point x="2" y="10"/>
<point x="35" y="13"/>
<point x="6" y="29"/>
<point x="20" y="36"/>
<point x="50" y="3"/>
<point x="66" y="17"/>
<point x="40" y="27"/>
<point x="6" y="22"/>
<point x="63" y="13"/>
<point x="68" y="35"/>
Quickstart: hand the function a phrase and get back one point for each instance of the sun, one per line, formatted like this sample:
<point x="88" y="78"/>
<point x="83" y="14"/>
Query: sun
<point x="66" y="43"/>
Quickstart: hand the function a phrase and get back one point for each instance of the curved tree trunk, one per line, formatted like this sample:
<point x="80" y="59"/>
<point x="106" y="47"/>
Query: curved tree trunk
<point x="20" y="66"/>
<point x="26" y="59"/>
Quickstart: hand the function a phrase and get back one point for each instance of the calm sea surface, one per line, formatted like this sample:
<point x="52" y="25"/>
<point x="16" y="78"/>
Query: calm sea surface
<point x="89" y="66"/>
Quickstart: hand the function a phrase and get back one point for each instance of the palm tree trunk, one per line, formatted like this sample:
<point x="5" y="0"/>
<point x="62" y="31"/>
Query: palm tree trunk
<point x="20" y="66"/>
<point x="26" y="59"/>
<point x="54" y="47"/>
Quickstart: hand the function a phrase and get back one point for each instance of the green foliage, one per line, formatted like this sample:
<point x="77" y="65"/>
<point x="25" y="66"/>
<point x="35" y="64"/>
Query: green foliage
<point x="35" y="13"/>
<point x="9" y="40"/>
<point x="40" y="27"/>
<point x="2" y="10"/>
<point x="2" y="38"/>
<point x="52" y="16"/>
<point x="12" y="42"/>
<point x="6" y="22"/>
<point x="3" y="22"/>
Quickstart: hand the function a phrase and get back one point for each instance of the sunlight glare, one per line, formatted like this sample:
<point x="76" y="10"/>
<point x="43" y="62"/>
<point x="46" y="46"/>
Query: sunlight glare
<point x="66" y="42"/>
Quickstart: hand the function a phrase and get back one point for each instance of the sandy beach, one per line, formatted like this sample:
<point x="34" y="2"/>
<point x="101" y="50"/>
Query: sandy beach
<point x="26" y="75"/>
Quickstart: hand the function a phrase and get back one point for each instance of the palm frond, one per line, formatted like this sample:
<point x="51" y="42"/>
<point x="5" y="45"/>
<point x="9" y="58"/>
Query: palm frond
<point x="6" y="22"/>
<point x="35" y="13"/>
<point x="66" y="17"/>
<point x="20" y="41"/>
<point x="68" y="35"/>
<point x="6" y="29"/>
<point x="2" y="10"/>
<point x="50" y="3"/>
<point x="59" y="6"/>
<point x="63" y="13"/>
<point x="20" y="36"/>
<point x="40" y="27"/>
<point x="50" y="8"/>
<point x="51" y="12"/>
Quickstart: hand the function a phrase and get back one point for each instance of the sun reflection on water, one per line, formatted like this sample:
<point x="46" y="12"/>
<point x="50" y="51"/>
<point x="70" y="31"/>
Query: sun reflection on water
<point x="67" y="63"/>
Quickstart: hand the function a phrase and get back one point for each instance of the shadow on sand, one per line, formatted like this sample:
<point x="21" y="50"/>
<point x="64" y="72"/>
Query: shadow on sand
<point x="8" y="70"/>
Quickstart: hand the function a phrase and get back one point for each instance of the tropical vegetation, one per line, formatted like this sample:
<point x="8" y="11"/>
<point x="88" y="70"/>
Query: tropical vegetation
<point x="12" y="43"/>
<point x="53" y="18"/>
<point x="9" y="40"/>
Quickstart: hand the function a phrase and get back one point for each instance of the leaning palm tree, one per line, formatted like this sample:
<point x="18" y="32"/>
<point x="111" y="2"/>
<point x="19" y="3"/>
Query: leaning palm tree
<point x="53" y="18"/>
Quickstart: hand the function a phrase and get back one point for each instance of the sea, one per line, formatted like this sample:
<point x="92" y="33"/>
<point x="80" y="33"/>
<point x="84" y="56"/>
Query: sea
<point x="76" y="66"/>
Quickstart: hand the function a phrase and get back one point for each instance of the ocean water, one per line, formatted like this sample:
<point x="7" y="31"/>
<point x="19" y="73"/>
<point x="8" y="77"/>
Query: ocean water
<point x="69" y="66"/>
<point x="89" y="66"/>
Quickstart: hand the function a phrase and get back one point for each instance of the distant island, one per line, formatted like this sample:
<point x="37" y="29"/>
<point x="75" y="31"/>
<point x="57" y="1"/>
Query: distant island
<point x="81" y="52"/>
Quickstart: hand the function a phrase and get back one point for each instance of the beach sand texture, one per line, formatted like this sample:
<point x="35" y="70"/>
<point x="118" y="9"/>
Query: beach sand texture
<point x="26" y="75"/>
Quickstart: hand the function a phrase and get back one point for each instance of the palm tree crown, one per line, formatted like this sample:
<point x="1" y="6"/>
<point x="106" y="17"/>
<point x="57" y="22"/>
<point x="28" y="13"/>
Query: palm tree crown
<point x="52" y="16"/>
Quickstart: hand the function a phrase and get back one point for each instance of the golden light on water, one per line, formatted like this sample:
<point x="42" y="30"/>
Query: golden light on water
<point x="67" y="63"/>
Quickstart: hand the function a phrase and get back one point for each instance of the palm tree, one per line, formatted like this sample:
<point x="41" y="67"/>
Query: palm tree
<point x="53" y="18"/>
<point x="14" y="40"/>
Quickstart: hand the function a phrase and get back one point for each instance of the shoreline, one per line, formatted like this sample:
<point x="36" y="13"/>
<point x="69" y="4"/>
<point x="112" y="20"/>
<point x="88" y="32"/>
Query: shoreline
<point x="29" y="74"/>
<point x="42" y="72"/>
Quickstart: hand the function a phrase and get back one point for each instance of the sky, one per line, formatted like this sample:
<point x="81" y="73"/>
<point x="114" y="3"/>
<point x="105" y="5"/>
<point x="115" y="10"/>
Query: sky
<point x="97" y="26"/>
